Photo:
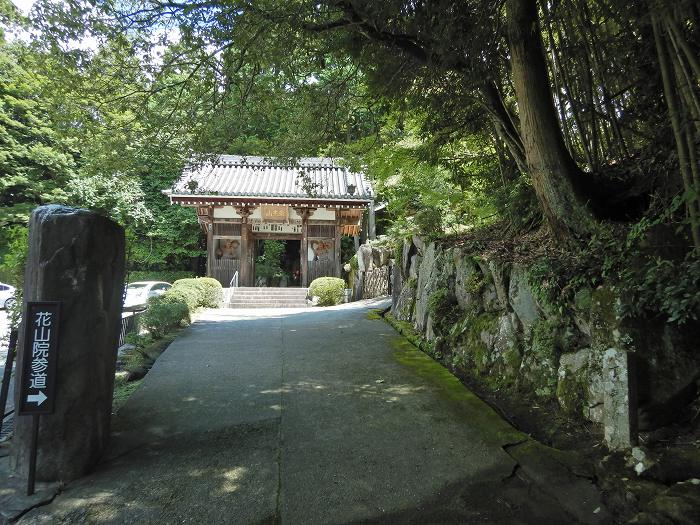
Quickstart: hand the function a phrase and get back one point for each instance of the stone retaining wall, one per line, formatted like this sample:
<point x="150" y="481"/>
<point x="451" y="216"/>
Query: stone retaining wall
<point x="483" y="317"/>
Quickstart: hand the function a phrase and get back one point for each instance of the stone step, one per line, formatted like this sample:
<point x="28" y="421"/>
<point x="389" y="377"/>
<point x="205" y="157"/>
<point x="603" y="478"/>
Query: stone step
<point x="250" y="289"/>
<point x="258" y="295"/>
<point x="238" y="291"/>
<point x="266" y="297"/>
<point x="247" y="304"/>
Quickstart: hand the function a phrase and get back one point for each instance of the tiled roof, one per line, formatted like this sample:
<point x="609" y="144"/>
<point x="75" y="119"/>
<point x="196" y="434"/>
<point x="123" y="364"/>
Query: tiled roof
<point x="310" y="177"/>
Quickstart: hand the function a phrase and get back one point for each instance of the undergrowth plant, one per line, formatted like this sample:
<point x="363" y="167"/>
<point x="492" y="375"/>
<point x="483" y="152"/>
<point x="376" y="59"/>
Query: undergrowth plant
<point x="651" y="280"/>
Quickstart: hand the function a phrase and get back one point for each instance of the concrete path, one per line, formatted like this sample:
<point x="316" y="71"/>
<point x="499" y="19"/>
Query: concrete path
<point x="312" y="416"/>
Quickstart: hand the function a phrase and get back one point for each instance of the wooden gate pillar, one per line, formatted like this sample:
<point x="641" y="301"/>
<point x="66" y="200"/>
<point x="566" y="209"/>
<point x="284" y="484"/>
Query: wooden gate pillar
<point x="305" y="213"/>
<point x="337" y="254"/>
<point x="205" y="216"/>
<point x="210" y="250"/>
<point x="246" y="278"/>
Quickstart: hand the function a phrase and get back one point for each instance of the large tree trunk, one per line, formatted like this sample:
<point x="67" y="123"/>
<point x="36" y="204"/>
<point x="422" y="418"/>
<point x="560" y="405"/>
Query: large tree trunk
<point x="557" y="180"/>
<point x="503" y="123"/>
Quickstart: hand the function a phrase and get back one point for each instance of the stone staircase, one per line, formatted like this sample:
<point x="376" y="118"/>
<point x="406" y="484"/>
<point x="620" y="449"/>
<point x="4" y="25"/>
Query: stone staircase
<point x="244" y="297"/>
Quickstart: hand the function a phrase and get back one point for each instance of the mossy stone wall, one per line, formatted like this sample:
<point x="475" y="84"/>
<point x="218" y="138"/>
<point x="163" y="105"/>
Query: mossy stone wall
<point x="489" y="319"/>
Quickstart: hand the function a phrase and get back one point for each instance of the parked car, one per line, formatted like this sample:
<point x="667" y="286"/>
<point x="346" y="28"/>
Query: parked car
<point x="7" y="293"/>
<point x="138" y="293"/>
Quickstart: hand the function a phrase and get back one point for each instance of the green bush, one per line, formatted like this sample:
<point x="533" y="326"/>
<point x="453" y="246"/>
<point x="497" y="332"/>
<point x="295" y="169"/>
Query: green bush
<point x="208" y="292"/>
<point x="168" y="276"/>
<point x="269" y="265"/>
<point x="212" y="292"/>
<point x="187" y="294"/>
<point x="329" y="290"/>
<point x="165" y="313"/>
<point x="173" y="308"/>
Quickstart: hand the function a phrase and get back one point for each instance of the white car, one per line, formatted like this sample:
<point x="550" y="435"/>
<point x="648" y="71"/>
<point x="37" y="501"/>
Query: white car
<point x="7" y="293"/>
<point x="138" y="293"/>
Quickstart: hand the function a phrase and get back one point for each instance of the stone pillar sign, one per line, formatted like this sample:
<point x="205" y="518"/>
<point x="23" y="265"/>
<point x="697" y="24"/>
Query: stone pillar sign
<point x="619" y="406"/>
<point x="613" y="348"/>
<point x="76" y="258"/>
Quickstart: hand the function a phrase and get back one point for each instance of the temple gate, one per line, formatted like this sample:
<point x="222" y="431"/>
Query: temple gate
<point x="241" y="200"/>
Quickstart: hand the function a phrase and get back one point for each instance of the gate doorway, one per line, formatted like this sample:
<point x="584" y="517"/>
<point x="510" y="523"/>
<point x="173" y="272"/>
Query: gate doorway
<point x="292" y="261"/>
<point x="278" y="262"/>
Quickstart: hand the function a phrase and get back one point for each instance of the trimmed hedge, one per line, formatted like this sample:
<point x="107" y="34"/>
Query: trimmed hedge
<point x="164" y="314"/>
<point x="182" y="294"/>
<point x="208" y="291"/>
<point x="168" y="276"/>
<point x="173" y="308"/>
<point x="329" y="290"/>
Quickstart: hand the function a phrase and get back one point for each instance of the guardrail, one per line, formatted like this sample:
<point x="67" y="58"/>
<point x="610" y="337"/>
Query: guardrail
<point x="130" y="324"/>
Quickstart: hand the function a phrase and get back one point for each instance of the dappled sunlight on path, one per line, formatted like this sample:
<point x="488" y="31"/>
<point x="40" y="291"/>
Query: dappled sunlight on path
<point x="292" y="416"/>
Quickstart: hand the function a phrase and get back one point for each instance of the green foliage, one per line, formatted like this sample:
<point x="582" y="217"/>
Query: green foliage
<point x="185" y="294"/>
<point x="425" y="195"/>
<point x="552" y="283"/>
<point x="445" y="150"/>
<point x="63" y="142"/>
<point x="374" y="314"/>
<point x="208" y="291"/>
<point x="115" y="195"/>
<point x="13" y="255"/>
<point x="9" y="15"/>
<point x="665" y="286"/>
<point x="122" y="392"/>
<point x="485" y="322"/>
<point x="398" y="252"/>
<point x="36" y="163"/>
<point x="172" y="237"/>
<point x="329" y="290"/>
<point x="198" y="292"/>
<point x="165" y="313"/>
<point x="347" y="248"/>
<point x="268" y="266"/>
<point x="443" y="309"/>
<point x="353" y="263"/>
<point x="649" y="284"/>
<point x="168" y="276"/>
<point x="136" y="358"/>
<point x="438" y="301"/>
<point x="429" y="222"/>
<point x="475" y="283"/>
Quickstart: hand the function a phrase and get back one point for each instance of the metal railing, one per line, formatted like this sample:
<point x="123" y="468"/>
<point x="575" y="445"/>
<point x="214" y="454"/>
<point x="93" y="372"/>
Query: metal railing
<point x="130" y="325"/>
<point x="232" y="285"/>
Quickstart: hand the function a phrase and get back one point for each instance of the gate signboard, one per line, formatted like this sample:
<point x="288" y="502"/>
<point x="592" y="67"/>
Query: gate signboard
<point x="38" y="380"/>
<point x="270" y="212"/>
